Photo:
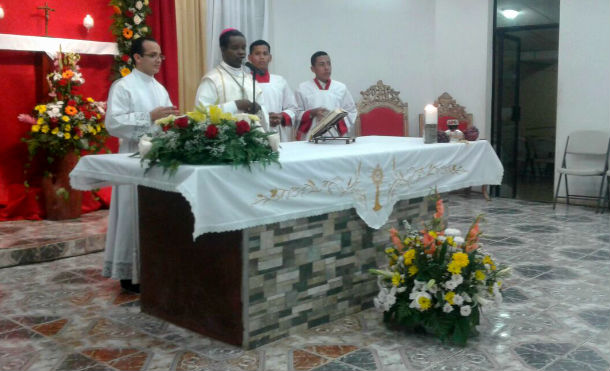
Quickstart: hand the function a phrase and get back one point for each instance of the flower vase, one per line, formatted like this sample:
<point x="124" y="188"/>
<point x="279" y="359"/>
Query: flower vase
<point x="60" y="200"/>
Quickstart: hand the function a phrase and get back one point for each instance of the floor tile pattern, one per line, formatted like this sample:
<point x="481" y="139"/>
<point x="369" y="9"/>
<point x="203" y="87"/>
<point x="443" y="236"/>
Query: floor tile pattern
<point x="62" y="315"/>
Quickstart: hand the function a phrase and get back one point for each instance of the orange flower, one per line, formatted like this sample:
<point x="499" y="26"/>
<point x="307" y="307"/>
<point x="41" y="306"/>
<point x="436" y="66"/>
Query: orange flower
<point x="430" y="250"/>
<point x="67" y="74"/>
<point x="125" y="71"/>
<point x="471" y="247"/>
<point x="440" y="209"/>
<point x="428" y="239"/>
<point x="127" y="33"/>
<point x="70" y="110"/>
<point x="116" y="9"/>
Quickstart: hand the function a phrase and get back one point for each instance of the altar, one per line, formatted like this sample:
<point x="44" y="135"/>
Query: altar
<point x="251" y="256"/>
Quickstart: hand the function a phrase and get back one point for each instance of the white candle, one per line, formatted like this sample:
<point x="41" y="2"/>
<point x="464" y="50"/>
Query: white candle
<point x="431" y="114"/>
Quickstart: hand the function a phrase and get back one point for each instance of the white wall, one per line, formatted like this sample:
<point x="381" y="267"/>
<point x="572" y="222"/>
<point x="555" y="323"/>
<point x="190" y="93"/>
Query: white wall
<point x="421" y="48"/>
<point x="583" y="94"/>
<point x="463" y="56"/>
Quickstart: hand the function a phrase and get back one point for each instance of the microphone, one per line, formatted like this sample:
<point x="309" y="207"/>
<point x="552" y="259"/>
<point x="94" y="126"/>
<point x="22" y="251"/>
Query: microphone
<point x="254" y="69"/>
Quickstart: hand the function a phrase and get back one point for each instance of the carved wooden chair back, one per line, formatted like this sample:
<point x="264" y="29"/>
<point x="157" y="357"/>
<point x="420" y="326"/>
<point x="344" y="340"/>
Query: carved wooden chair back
<point x="381" y="112"/>
<point x="448" y="109"/>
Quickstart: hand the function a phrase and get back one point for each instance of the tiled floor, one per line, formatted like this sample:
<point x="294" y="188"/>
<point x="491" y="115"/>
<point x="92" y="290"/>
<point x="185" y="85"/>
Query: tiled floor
<point x="556" y="316"/>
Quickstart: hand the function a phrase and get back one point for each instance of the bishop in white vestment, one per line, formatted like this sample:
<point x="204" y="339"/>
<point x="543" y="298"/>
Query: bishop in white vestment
<point x="228" y="85"/>
<point x="318" y="96"/>
<point x="279" y="98"/>
<point x="134" y="102"/>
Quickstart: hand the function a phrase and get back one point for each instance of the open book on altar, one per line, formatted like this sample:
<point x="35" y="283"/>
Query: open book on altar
<point x="327" y="122"/>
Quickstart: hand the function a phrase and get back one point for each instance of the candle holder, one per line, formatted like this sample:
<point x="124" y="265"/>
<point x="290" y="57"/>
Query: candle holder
<point x="454" y="134"/>
<point x="430" y="133"/>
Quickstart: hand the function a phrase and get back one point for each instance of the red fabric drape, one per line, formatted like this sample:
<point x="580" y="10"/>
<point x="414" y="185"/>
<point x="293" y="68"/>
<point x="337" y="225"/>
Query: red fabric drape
<point x="162" y="22"/>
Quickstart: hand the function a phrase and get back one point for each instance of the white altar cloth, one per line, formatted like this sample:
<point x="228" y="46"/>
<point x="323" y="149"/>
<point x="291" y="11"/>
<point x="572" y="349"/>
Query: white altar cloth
<point x="51" y="45"/>
<point x="370" y="175"/>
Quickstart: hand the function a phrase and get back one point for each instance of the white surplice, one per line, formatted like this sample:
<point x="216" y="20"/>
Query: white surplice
<point x="279" y="98"/>
<point x="314" y="93"/>
<point x="130" y="101"/>
<point x="224" y="85"/>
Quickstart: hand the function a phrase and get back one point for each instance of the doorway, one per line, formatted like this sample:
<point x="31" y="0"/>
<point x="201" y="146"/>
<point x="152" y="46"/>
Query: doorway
<point x="524" y="100"/>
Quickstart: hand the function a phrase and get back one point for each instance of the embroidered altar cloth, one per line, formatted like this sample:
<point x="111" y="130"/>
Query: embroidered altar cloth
<point x="370" y="175"/>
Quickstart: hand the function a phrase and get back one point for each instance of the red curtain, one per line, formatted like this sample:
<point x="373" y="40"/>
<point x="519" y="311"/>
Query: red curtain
<point x="162" y="22"/>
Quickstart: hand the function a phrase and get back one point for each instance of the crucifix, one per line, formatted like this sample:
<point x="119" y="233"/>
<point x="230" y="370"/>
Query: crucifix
<point x="46" y="9"/>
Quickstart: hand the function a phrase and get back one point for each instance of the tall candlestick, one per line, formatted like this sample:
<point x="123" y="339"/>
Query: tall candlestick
<point x="431" y="114"/>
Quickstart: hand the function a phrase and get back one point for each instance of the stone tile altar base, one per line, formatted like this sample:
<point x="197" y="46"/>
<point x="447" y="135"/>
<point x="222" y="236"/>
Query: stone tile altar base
<point x="306" y="272"/>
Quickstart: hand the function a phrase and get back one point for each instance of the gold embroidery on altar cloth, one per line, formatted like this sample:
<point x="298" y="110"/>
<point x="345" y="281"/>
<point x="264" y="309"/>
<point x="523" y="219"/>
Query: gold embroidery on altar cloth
<point x="399" y="180"/>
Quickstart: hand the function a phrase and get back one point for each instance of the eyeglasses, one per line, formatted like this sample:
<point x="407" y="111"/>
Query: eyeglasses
<point x="154" y="56"/>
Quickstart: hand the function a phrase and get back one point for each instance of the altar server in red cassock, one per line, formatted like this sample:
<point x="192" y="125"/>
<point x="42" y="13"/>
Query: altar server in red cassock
<point x="318" y="96"/>
<point x="278" y="97"/>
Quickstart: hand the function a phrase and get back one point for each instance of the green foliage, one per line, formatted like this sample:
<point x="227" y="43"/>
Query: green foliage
<point x="129" y="23"/>
<point x="201" y="140"/>
<point x="438" y="280"/>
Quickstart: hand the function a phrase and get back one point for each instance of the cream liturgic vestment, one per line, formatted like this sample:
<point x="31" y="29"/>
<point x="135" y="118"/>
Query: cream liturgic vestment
<point x="332" y="95"/>
<point x="224" y="85"/>
<point x="279" y="98"/>
<point x="130" y="101"/>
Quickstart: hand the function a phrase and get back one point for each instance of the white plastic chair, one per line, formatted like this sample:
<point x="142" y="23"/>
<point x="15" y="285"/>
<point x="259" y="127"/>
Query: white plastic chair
<point x="585" y="144"/>
<point x="607" y="198"/>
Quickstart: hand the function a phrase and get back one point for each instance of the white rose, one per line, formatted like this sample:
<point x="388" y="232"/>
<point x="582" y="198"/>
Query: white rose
<point x="458" y="240"/>
<point x="457" y="278"/>
<point x="465" y="310"/>
<point x="450" y="285"/>
<point x="447" y="308"/>
<point x="453" y="232"/>
<point x="458" y="300"/>
<point x="139" y="5"/>
<point x="144" y="145"/>
<point x="137" y="19"/>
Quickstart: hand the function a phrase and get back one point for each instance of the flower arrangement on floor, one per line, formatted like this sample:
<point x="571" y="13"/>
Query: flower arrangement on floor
<point x="438" y="279"/>
<point x="69" y="122"/>
<point x="208" y="136"/>
<point x="129" y="23"/>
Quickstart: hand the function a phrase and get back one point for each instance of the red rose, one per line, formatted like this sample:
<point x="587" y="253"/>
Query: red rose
<point x="128" y="14"/>
<point x="63" y="82"/>
<point x="182" y="122"/>
<point x="211" y="132"/>
<point x="78" y="132"/>
<point x="71" y="102"/>
<point x="125" y="58"/>
<point x="242" y="127"/>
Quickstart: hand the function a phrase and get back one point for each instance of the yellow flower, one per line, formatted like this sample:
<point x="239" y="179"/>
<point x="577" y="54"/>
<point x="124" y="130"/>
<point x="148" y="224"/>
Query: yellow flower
<point x="45" y="129"/>
<point x="41" y="108"/>
<point x="67" y="127"/>
<point x="408" y="256"/>
<point x="479" y="275"/>
<point x="487" y="260"/>
<point x="433" y="234"/>
<point x="454" y="268"/>
<point x="54" y="131"/>
<point x="413" y="270"/>
<point x="407" y="241"/>
<point x="396" y="279"/>
<point x="97" y="128"/>
<point x="90" y="100"/>
<point x="98" y="116"/>
<point x="460" y="258"/>
<point x="40" y="121"/>
<point x="197" y="116"/>
<point x="449" y="297"/>
<point x="389" y="250"/>
<point x="125" y="71"/>
<point x="35" y="128"/>
<point x="450" y="241"/>
<point x="424" y="302"/>
<point x="215" y="114"/>
<point x="90" y="128"/>
<point x="65" y="118"/>
<point x="67" y="135"/>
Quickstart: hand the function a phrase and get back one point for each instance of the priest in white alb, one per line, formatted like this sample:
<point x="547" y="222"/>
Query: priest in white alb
<point x="134" y="103"/>
<point x="279" y="98"/>
<point x="228" y="85"/>
<point x="320" y="95"/>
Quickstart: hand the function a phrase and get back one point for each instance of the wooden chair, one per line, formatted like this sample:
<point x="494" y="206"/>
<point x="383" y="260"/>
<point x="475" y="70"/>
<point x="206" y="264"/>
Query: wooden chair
<point x="381" y="112"/>
<point x="449" y="109"/>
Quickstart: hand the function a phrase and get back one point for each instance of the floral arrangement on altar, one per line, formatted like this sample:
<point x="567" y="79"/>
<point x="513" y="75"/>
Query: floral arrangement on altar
<point x="69" y="122"/>
<point x="129" y="23"/>
<point x="438" y="279"/>
<point x="208" y="136"/>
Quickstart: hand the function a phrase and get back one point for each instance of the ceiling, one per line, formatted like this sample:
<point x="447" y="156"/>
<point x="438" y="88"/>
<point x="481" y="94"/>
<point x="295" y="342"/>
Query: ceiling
<point x="532" y="12"/>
